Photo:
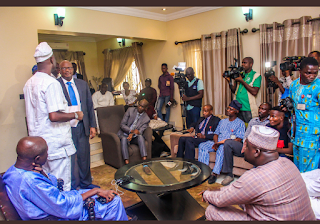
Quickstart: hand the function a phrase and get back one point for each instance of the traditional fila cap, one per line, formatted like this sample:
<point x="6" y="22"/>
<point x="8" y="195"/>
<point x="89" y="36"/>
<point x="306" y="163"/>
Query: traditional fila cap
<point x="264" y="137"/>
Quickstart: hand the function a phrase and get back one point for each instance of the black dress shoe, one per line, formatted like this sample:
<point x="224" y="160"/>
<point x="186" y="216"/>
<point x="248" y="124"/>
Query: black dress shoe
<point x="90" y="186"/>
<point x="212" y="179"/>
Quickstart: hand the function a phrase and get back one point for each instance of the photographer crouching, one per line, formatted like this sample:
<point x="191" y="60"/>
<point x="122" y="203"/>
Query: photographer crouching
<point x="247" y="90"/>
<point x="193" y="97"/>
<point x="305" y="93"/>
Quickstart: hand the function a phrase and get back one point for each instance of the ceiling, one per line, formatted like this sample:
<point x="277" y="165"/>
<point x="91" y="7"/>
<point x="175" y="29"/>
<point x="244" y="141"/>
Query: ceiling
<point x="155" y="13"/>
<point x="159" y="9"/>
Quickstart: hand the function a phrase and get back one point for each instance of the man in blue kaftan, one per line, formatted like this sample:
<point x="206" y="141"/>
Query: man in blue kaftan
<point x="305" y="92"/>
<point x="35" y="195"/>
<point x="230" y="128"/>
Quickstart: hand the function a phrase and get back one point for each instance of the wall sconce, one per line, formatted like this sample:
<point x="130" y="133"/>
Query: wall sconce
<point x="247" y="12"/>
<point x="121" y="42"/>
<point x="58" y="18"/>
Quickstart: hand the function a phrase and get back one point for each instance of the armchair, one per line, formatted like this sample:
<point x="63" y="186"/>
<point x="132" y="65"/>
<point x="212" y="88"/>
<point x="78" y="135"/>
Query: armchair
<point x="109" y="119"/>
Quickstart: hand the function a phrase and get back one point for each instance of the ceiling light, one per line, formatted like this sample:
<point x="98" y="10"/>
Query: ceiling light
<point x="164" y="9"/>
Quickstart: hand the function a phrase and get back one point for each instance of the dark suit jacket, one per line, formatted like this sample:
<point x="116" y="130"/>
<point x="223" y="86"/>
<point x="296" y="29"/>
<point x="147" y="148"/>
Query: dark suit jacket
<point x="129" y="118"/>
<point x="89" y="119"/>
<point x="213" y="123"/>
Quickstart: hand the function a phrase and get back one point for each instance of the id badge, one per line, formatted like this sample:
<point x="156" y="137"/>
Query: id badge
<point x="233" y="136"/>
<point x="301" y="106"/>
<point x="168" y="83"/>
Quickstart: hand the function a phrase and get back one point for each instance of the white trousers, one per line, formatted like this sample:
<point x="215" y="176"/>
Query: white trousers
<point x="60" y="168"/>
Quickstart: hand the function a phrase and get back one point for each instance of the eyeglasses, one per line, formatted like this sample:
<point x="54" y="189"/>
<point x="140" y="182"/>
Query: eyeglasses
<point x="65" y="68"/>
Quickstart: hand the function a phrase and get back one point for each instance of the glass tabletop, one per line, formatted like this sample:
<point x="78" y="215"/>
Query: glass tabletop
<point x="163" y="173"/>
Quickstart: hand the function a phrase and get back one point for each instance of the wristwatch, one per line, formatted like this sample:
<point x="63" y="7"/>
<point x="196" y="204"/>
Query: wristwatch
<point x="75" y="116"/>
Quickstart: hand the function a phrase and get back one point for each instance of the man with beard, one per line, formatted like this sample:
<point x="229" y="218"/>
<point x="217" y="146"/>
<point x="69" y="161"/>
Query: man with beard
<point x="273" y="191"/>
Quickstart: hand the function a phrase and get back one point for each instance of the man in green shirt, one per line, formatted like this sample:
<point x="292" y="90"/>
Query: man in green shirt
<point x="247" y="90"/>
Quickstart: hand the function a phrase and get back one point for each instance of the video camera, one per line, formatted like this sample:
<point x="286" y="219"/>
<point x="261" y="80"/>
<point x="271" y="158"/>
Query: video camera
<point x="235" y="71"/>
<point x="287" y="103"/>
<point x="291" y="63"/>
<point x="269" y="72"/>
<point x="180" y="78"/>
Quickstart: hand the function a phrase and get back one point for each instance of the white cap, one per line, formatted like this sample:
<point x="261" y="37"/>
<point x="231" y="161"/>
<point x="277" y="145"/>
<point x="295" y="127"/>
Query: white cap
<point x="264" y="137"/>
<point x="43" y="52"/>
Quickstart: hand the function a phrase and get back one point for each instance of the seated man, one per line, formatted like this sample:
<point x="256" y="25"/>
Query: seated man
<point x="273" y="191"/>
<point x="204" y="129"/>
<point x="233" y="148"/>
<point x="312" y="181"/>
<point x="35" y="195"/>
<point x="102" y="98"/>
<point x="229" y="128"/>
<point x="281" y="124"/>
<point x="134" y="122"/>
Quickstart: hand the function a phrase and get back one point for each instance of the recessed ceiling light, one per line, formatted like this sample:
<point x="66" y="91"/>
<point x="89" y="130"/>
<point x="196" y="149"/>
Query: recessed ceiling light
<point x="164" y="9"/>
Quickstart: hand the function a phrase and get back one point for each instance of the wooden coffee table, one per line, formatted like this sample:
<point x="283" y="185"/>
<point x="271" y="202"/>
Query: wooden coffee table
<point x="163" y="193"/>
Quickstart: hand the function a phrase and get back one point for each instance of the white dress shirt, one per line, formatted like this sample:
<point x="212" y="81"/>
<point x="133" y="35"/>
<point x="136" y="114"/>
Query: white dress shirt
<point x="43" y="95"/>
<point x="100" y="100"/>
<point x="75" y="89"/>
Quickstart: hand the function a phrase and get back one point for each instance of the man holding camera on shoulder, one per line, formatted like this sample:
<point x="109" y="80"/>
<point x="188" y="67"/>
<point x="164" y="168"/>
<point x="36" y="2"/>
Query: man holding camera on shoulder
<point x="193" y="97"/>
<point x="247" y="90"/>
<point x="283" y="83"/>
<point x="305" y="92"/>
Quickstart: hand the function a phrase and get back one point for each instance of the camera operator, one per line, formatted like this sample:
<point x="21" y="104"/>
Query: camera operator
<point x="316" y="55"/>
<point x="305" y="93"/>
<point x="247" y="90"/>
<point x="283" y="83"/>
<point x="193" y="97"/>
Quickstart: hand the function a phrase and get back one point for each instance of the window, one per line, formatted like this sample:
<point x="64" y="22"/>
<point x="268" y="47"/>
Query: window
<point x="133" y="78"/>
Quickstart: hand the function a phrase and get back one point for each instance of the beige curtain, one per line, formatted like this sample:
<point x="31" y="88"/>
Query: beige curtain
<point x="138" y="57"/>
<point x="107" y="62"/>
<point x="281" y="40"/>
<point x="121" y="61"/>
<point x="193" y="57"/>
<point x="72" y="56"/>
<point x="218" y="53"/>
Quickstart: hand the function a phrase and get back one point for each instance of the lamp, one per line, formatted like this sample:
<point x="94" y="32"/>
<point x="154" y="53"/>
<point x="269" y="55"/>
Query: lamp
<point x="247" y="12"/>
<point x="58" y="18"/>
<point x="121" y="41"/>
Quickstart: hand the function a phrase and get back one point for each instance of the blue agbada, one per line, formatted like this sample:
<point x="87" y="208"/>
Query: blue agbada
<point x="35" y="197"/>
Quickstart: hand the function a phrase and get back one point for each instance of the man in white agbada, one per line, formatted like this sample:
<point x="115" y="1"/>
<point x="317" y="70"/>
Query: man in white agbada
<point x="312" y="180"/>
<point x="46" y="117"/>
<point x="102" y="98"/>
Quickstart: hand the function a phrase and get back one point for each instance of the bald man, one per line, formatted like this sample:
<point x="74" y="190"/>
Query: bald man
<point x="77" y="94"/>
<point x="35" y="195"/>
<point x="193" y="97"/>
<point x="134" y="122"/>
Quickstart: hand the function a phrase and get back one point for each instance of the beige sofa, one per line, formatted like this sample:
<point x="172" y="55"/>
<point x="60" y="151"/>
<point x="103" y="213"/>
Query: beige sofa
<point x="239" y="164"/>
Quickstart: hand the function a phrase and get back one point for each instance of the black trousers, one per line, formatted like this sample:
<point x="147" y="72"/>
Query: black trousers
<point x="158" y="145"/>
<point x="80" y="162"/>
<point x="231" y="148"/>
<point x="187" y="145"/>
<point x="246" y="116"/>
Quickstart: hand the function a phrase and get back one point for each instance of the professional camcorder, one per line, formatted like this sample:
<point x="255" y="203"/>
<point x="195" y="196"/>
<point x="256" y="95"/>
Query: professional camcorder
<point x="287" y="103"/>
<point x="235" y="71"/>
<point x="270" y="72"/>
<point x="180" y="78"/>
<point x="291" y="63"/>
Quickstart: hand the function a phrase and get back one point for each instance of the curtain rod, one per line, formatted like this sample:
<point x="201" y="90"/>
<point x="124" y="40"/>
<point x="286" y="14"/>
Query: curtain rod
<point x="139" y="43"/>
<point x="84" y="53"/>
<point x="281" y="25"/>
<point x="176" y="42"/>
